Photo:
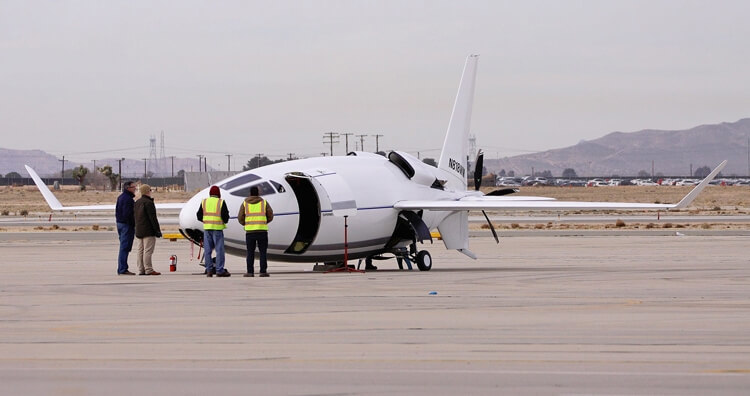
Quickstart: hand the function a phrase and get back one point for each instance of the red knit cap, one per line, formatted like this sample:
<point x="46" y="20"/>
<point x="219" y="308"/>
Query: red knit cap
<point x="214" y="191"/>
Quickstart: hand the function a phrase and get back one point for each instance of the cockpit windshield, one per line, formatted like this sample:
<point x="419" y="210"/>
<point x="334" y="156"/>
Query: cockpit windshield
<point x="244" y="179"/>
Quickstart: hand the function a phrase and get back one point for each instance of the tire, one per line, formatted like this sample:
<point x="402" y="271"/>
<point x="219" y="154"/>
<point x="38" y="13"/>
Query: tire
<point x="424" y="260"/>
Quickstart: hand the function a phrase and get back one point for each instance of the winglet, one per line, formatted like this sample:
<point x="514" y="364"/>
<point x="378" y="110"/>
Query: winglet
<point x="697" y="190"/>
<point x="52" y="201"/>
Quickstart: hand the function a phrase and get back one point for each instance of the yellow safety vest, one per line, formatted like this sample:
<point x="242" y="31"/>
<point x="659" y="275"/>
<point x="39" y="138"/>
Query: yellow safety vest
<point x="212" y="214"/>
<point x="255" y="216"/>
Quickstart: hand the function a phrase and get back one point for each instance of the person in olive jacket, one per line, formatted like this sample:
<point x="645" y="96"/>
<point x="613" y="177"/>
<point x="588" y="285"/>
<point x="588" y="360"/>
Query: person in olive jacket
<point x="146" y="230"/>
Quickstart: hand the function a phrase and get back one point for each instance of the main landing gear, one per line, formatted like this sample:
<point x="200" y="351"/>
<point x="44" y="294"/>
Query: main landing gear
<point x="404" y="255"/>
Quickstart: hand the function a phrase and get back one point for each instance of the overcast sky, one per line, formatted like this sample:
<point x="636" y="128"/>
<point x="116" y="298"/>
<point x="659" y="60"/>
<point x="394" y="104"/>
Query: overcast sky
<point x="95" y="79"/>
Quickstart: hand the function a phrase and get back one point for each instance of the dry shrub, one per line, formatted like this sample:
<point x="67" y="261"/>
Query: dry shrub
<point x="23" y="212"/>
<point x="706" y="226"/>
<point x="619" y="223"/>
<point x="54" y="227"/>
<point x="679" y="226"/>
<point x="38" y="228"/>
<point x="538" y="226"/>
<point x="650" y="225"/>
<point x="514" y="225"/>
<point x="5" y="212"/>
<point x="95" y="227"/>
<point x="485" y="226"/>
<point x="716" y="209"/>
<point x="666" y="225"/>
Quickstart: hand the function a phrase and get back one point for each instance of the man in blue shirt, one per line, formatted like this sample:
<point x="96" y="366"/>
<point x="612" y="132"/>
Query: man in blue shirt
<point x="125" y="225"/>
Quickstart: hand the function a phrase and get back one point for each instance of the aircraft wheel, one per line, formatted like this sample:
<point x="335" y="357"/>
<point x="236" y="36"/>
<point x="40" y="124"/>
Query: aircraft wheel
<point x="424" y="260"/>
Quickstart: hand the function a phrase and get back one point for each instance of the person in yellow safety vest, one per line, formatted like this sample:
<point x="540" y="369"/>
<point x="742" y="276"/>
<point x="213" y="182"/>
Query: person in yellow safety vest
<point x="255" y="214"/>
<point x="214" y="214"/>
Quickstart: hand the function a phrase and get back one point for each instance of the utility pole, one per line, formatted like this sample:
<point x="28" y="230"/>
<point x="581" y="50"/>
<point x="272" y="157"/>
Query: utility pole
<point x="346" y="136"/>
<point x="377" y="147"/>
<point x="62" y="173"/>
<point x="331" y="136"/>
<point x="205" y="164"/>
<point x="258" y="157"/>
<point x="291" y="156"/>
<point x="145" y="171"/>
<point x="361" y="142"/>
<point x="119" y="169"/>
<point x="200" y="162"/>
<point x="172" y="165"/>
<point x="228" y="161"/>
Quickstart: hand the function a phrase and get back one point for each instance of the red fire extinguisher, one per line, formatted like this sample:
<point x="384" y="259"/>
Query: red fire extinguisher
<point x="173" y="263"/>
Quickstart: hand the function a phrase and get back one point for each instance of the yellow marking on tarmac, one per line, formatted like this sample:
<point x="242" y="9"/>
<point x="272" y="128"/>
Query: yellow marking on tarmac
<point x="173" y="237"/>
<point x="436" y="235"/>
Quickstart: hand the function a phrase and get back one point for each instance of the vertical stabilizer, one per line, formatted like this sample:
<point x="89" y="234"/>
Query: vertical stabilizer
<point x="455" y="146"/>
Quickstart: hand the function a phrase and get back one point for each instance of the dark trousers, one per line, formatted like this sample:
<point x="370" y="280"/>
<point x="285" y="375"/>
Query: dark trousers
<point x="126" y="233"/>
<point x="259" y="238"/>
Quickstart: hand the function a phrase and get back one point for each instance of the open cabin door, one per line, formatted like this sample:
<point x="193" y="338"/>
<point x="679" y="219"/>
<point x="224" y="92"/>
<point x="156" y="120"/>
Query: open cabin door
<point x="317" y="191"/>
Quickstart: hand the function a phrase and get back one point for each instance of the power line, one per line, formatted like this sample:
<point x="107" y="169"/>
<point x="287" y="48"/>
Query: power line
<point x="361" y="142"/>
<point x="331" y="136"/>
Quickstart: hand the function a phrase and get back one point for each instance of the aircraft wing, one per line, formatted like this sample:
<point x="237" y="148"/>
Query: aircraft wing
<point x="536" y="203"/>
<point x="55" y="204"/>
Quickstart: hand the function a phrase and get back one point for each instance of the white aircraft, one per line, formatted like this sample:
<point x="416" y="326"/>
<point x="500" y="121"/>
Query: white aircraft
<point x="389" y="203"/>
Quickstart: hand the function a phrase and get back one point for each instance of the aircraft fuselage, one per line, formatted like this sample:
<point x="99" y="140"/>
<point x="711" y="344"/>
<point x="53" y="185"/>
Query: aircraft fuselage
<point x="310" y="197"/>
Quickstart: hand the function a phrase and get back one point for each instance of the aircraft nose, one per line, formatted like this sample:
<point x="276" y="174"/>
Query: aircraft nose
<point x="188" y="219"/>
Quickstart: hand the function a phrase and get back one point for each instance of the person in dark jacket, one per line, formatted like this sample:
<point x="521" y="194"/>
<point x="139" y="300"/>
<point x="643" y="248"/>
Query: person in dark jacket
<point x="125" y="226"/>
<point x="146" y="230"/>
<point x="214" y="214"/>
<point x="255" y="214"/>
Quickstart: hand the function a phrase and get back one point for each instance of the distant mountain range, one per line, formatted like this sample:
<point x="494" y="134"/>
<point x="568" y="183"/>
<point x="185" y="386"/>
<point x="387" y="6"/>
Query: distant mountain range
<point x="49" y="165"/>
<point x="626" y="154"/>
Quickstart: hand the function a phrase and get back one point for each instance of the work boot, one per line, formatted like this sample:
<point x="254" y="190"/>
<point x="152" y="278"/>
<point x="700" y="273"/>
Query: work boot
<point x="223" y="274"/>
<point x="264" y="275"/>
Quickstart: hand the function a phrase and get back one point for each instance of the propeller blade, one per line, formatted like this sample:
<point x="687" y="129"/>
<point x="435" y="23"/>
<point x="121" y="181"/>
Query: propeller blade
<point x="492" y="228"/>
<point x="478" y="170"/>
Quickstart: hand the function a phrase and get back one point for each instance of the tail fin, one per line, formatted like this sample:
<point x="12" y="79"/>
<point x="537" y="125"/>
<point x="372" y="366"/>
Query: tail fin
<point x="455" y="147"/>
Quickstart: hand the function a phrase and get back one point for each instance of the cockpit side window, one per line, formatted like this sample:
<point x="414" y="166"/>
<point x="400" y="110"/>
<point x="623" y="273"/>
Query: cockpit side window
<point x="263" y="189"/>
<point x="239" y="181"/>
<point x="278" y="186"/>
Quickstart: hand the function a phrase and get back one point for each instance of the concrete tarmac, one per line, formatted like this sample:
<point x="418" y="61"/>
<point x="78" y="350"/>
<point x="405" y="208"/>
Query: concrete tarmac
<point x="606" y="315"/>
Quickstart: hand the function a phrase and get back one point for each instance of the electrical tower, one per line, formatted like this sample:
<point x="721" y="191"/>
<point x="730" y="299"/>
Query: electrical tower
<point x="162" y="157"/>
<point x="472" y="149"/>
<point x="152" y="157"/>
